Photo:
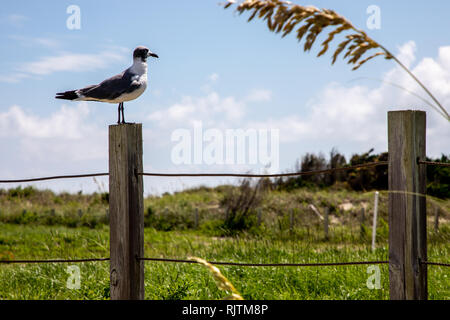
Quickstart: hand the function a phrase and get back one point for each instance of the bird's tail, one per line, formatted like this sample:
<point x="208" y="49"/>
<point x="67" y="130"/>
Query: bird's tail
<point x="68" y="95"/>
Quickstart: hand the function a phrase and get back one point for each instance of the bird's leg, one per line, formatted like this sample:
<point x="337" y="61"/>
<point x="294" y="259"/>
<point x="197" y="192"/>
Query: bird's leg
<point x="118" y="113"/>
<point x="123" y="117"/>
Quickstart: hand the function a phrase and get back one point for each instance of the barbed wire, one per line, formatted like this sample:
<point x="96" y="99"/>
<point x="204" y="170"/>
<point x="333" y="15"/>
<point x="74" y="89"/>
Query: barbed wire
<point x="56" y="177"/>
<point x="248" y="175"/>
<point x="239" y="264"/>
<point x="54" y="260"/>
<point x="359" y="166"/>
<point x="441" y="264"/>
<point x="434" y="163"/>
<point x="243" y="175"/>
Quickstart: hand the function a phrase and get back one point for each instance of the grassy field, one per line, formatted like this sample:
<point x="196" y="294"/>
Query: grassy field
<point x="39" y="224"/>
<point x="191" y="281"/>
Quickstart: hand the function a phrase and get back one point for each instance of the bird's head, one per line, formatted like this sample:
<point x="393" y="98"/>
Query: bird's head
<point x="143" y="53"/>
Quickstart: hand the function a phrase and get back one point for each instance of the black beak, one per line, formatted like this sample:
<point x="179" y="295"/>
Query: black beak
<point x="151" y="54"/>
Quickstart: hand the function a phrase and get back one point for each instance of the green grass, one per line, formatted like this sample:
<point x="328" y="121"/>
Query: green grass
<point x="171" y="212"/>
<point x="39" y="224"/>
<point x="191" y="281"/>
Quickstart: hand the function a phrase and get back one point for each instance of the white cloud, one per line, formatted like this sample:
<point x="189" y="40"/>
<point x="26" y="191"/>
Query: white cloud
<point x="37" y="41"/>
<point x="64" y="136"/>
<point x="259" y="95"/>
<point x="407" y="53"/>
<point x="213" y="77"/>
<point x="212" y="80"/>
<point x="75" y="62"/>
<point x="356" y="115"/>
<point x="15" y="20"/>
<point x="211" y="109"/>
<point x="14" y="78"/>
<point x="71" y="62"/>
<point x="65" y="123"/>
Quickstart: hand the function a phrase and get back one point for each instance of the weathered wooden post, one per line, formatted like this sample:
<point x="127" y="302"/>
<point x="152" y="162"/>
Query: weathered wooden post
<point x="407" y="205"/>
<point x="126" y="212"/>
<point x="325" y="222"/>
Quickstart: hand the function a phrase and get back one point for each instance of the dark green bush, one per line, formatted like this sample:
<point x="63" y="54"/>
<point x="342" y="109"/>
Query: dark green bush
<point x="21" y="193"/>
<point x="374" y="178"/>
<point x="167" y="220"/>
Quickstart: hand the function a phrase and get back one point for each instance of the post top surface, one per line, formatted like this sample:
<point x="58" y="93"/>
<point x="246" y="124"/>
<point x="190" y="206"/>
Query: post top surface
<point x="125" y="124"/>
<point x="407" y="111"/>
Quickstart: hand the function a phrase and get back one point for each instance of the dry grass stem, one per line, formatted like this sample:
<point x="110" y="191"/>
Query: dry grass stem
<point x="221" y="281"/>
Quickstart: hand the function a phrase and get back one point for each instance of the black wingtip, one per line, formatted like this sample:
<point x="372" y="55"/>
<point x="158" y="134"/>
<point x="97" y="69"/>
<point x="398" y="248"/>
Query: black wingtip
<point x="68" y="95"/>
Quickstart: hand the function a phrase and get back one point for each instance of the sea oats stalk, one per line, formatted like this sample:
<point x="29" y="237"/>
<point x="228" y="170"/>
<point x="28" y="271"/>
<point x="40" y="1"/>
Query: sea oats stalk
<point x="283" y="16"/>
<point x="221" y="281"/>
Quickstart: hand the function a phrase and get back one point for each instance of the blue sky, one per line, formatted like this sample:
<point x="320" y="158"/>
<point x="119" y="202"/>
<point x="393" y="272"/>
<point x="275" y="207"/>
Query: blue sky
<point x="214" y="67"/>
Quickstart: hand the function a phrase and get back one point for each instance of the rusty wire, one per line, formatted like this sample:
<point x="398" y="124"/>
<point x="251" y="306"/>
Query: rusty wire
<point x="54" y="260"/>
<point x="358" y="166"/>
<point x="441" y="264"/>
<point x="245" y="175"/>
<point x="326" y="264"/>
<point x="56" y="177"/>
<point x="434" y="163"/>
<point x="238" y="264"/>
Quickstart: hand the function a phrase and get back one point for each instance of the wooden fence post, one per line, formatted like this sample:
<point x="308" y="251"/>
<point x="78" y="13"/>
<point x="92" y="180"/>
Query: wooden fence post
<point x="407" y="205"/>
<point x="126" y="212"/>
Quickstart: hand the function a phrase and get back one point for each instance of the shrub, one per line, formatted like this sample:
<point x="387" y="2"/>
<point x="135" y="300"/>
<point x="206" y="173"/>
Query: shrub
<point x="167" y="220"/>
<point x="240" y="205"/>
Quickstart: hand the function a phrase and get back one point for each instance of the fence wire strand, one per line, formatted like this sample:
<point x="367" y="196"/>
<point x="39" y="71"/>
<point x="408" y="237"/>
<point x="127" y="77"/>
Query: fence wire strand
<point x="441" y="264"/>
<point x="54" y="260"/>
<point x="56" y="177"/>
<point x="238" y="264"/>
<point x="245" y="175"/>
<point x="358" y="166"/>
<point x="434" y="163"/>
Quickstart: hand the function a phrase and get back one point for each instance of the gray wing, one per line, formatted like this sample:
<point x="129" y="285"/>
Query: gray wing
<point x="111" y="88"/>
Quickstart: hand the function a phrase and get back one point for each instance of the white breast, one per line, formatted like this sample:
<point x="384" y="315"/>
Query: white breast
<point x="139" y="68"/>
<point x="133" y="95"/>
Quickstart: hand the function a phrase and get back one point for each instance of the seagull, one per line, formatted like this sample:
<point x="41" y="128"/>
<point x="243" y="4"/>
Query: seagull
<point x="125" y="86"/>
